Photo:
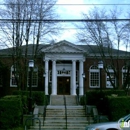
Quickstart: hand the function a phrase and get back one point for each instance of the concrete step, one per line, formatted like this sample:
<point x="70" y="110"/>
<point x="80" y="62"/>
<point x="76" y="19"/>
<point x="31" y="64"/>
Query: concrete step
<point x="61" y="128"/>
<point x="59" y="100"/>
<point x="73" y="127"/>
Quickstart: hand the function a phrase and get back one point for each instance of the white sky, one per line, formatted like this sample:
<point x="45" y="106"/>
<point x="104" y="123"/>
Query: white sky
<point x="72" y="9"/>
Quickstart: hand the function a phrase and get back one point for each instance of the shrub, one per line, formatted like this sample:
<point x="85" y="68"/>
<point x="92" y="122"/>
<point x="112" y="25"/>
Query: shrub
<point x="38" y="97"/>
<point x="118" y="106"/>
<point x="10" y="111"/>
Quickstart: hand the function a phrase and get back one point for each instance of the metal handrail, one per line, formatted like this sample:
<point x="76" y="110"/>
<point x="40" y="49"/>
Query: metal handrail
<point x="77" y="99"/>
<point x="85" y="103"/>
<point x="33" y="119"/>
<point x="85" y="107"/>
<point x="77" y="93"/>
<point x="65" y="111"/>
<point x="44" y="111"/>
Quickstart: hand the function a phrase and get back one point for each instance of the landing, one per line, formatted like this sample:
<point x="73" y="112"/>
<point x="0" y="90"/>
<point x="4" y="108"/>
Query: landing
<point x="58" y="100"/>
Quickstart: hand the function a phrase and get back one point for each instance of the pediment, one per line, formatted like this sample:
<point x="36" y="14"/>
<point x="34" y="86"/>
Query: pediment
<point x="63" y="47"/>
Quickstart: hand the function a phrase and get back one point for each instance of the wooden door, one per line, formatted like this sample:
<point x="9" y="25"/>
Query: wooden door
<point x="63" y="85"/>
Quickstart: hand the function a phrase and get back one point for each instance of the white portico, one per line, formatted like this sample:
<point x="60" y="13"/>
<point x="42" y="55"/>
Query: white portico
<point x="64" y="67"/>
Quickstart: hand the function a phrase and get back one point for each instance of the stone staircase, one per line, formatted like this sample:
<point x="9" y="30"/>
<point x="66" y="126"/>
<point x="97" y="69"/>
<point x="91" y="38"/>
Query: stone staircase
<point x="55" y="115"/>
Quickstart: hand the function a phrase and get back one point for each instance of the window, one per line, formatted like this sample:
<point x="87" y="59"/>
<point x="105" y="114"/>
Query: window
<point x="94" y="77"/>
<point x="125" y="75"/>
<point x="34" y="77"/>
<point x="50" y="76"/>
<point x="110" y="77"/>
<point x="13" y="82"/>
<point x="77" y="76"/>
<point x="1" y="79"/>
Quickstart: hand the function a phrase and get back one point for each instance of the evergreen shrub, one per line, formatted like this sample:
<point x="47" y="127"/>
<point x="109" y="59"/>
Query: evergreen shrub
<point x="118" y="107"/>
<point x="10" y="111"/>
<point x="38" y="97"/>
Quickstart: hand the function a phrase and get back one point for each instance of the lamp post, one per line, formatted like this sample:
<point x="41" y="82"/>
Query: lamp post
<point x="100" y="66"/>
<point x="31" y="66"/>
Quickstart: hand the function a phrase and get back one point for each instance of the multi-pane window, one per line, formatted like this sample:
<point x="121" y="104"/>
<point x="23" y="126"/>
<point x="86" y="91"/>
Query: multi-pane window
<point x="34" y="77"/>
<point x="1" y="79"/>
<point x="110" y="78"/>
<point x="77" y="76"/>
<point x="125" y="74"/>
<point x="94" y="77"/>
<point x="50" y="76"/>
<point x="13" y="82"/>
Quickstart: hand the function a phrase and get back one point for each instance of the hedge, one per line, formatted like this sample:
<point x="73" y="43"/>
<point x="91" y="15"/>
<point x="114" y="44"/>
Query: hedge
<point x="38" y="97"/>
<point x="114" y="103"/>
<point x="118" y="107"/>
<point x="10" y="111"/>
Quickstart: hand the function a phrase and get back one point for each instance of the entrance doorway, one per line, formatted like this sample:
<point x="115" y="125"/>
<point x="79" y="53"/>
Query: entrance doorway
<point x="63" y="85"/>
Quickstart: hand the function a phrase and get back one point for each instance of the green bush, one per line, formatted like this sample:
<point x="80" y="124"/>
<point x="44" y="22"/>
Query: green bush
<point x="113" y="91"/>
<point x="10" y="111"/>
<point x="118" y="106"/>
<point x="82" y="100"/>
<point x="98" y="99"/>
<point x="38" y="97"/>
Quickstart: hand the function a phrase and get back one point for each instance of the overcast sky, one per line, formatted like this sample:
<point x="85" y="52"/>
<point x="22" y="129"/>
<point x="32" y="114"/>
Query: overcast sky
<point x="72" y="9"/>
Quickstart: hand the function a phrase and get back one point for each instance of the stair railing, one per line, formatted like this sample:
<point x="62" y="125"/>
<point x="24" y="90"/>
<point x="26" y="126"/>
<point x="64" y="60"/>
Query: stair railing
<point x="84" y="98"/>
<point x="44" y="109"/>
<point x="65" y="111"/>
<point x="77" y="97"/>
<point x="32" y="120"/>
<point x="88" y="116"/>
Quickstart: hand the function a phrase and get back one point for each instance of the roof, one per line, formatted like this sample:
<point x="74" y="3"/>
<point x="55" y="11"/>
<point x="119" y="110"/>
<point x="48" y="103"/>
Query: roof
<point x="64" y="46"/>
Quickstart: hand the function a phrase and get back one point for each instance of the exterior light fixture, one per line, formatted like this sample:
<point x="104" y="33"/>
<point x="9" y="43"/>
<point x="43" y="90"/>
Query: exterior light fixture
<point x="44" y="75"/>
<point x="83" y="75"/>
<point x="100" y="64"/>
<point x="31" y="63"/>
<point x="64" y="71"/>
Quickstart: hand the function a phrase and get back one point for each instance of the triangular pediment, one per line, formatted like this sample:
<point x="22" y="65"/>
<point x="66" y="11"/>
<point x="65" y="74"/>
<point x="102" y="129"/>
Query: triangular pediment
<point x="63" y="47"/>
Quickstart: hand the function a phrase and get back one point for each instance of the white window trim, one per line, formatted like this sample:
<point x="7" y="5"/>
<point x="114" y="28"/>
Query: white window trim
<point x="124" y="71"/>
<point x="11" y="70"/>
<point x="1" y="76"/>
<point x="50" y="76"/>
<point x="108" y="81"/>
<point x="96" y="71"/>
<point x="35" y="69"/>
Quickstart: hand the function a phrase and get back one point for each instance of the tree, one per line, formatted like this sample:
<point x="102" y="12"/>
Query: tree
<point x="24" y="24"/>
<point x="108" y="36"/>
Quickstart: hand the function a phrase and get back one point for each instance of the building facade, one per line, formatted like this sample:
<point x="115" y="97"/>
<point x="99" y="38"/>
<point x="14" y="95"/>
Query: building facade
<point x="66" y="67"/>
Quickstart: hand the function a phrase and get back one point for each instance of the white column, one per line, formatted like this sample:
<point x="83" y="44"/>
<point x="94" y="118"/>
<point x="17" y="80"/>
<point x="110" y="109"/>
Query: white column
<point x="54" y="78"/>
<point x="81" y="80"/>
<point x="46" y="77"/>
<point x="73" y="77"/>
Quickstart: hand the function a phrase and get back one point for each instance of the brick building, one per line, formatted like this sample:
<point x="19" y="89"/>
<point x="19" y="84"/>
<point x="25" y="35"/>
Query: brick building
<point x="62" y="67"/>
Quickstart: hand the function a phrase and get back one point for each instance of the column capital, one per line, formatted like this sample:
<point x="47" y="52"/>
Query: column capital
<point x="74" y="60"/>
<point x="46" y="60"/>
<point x="83" y="60"/>
<point x="53" y="60"/>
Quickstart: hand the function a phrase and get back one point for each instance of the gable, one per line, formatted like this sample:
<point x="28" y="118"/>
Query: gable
<point x="63" y="47"/>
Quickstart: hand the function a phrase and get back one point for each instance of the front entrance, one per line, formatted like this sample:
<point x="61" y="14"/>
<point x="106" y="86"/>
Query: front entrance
<point x="63" y="85"/>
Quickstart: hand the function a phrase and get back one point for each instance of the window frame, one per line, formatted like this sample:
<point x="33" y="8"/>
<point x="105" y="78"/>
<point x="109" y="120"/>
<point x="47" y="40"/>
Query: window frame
<point x="34" y="79"/>
<point x="108" y="80"/>
<point x="94" y="70"/>
<point x="1" y="79"/>
<point x="124" y="71"/>
<point x="12" y="77"/>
